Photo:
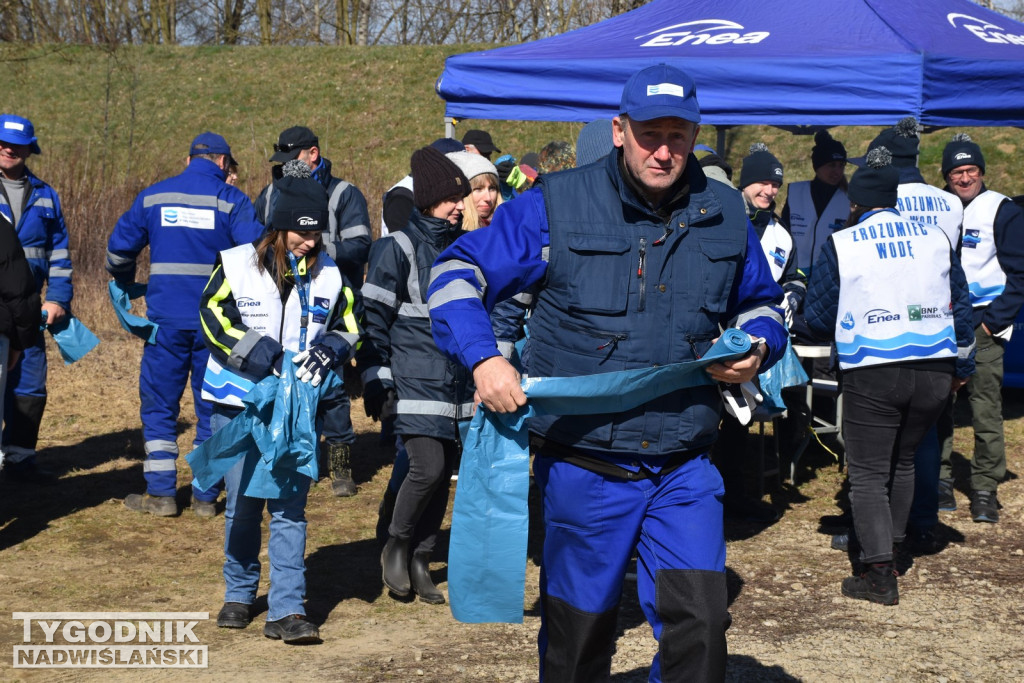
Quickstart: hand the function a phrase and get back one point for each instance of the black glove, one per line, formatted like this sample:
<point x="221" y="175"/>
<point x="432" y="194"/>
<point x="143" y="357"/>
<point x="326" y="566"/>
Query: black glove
<point x="375" y="396"/>
<point x="504" y="168"/>
<point x="314" y="363"/>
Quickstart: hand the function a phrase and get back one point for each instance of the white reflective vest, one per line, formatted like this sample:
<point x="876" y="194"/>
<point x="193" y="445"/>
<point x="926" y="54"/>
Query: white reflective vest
<point x="777" y="244"/>
<point x="259" y="304"/>
<point x="985" y="278"/>
<point x="810" y="230"/>
<point x="894" y="296"/>
<point x="923" y="203"/>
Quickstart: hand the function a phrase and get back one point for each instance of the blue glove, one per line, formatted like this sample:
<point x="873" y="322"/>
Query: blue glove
<point x="314" y="363"/>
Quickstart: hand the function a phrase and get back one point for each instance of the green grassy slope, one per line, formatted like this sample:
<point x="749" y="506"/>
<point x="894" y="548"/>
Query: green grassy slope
<point x="112" y="122"/>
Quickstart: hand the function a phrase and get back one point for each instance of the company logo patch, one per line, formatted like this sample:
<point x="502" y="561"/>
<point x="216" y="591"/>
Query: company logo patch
<point x="972" y="238"/>
<point x="185" y="217"/>
<point x="778" y="172"/>
<point x="960" y="156"/>
<point x="246" y="302"/>
<point x="666" y="89"/>
<point x="984" y="30"/>
<point x="307" y="222"/>
<point x="847" y="322"/>
<point x="881" y="315"/>
<point x="702" y="32"/>
<point x="320" y="308"/>
<point x="14" y="125"/>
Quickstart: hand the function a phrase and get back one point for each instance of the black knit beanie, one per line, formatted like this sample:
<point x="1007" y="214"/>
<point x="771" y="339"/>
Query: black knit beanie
<point x="961" y="151"/>
<point x="760" y="166"/>
<point x="826" y="149"/>
<point x="300" y="202"/>
<point x="875" y="184"/>
<point x="901" y="140"/>
<point x="435" y="178"/>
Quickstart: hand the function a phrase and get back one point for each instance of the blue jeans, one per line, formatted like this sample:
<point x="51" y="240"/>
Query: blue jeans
<point x="243" y="518"/>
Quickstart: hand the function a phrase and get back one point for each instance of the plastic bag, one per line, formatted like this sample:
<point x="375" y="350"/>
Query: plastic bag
<point x="487" y="550"/>
<point x="121" y="299"/>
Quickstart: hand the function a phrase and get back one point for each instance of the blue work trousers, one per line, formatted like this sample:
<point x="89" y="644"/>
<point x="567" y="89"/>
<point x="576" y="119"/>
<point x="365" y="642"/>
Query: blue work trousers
<point x="165" y="370"/>
<point x="593" y="523"/>
<point x="286" y="548"/>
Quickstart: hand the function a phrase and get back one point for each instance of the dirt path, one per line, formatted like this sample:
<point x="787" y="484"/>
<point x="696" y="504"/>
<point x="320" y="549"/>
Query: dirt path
<point x="73" y="547"/>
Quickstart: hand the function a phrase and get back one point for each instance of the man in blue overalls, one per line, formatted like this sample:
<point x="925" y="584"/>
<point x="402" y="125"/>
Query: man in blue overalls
<point x="186" y="220"/>
<point x="637" y="261"/>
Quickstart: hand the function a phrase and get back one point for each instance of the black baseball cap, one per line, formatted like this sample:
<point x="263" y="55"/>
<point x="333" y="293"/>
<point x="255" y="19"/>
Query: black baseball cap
<point x="292" y="141"/>
<point x="480" y="139"/>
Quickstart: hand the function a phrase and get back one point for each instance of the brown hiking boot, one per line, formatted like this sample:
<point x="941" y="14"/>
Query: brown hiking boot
<point x="161" y="506"/>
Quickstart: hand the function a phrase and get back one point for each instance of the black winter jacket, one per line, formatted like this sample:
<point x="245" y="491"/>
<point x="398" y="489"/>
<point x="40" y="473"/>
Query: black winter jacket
<point x="20" y="307"/>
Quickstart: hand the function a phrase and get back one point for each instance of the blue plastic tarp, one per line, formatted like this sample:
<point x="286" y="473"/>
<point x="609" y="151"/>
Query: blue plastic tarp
<point x="121" y="299"/>
<point x="487" y="550"/>
<point x="275" y="432"/>
<point x="804" y="63"/>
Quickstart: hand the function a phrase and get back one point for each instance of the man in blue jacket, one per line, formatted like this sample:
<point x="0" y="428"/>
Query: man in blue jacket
<point x="34" y="208"/>
<point x="636" y="261"/>
<point x="186" y="220"/>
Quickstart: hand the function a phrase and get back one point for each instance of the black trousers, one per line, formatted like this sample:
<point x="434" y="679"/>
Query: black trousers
<point x="423" y="498"/>
<point x="887" y="411"/>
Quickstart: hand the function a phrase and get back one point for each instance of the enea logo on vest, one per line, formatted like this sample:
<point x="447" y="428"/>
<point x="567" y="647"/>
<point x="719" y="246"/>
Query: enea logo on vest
<point x="702" y="32"/>
<point x="984" y="30"/>
<point x="881" y="315"/>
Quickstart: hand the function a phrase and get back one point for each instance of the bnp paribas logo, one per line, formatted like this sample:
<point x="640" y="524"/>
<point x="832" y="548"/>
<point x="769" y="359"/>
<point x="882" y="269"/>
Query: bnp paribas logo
<point x="913" y="313"/>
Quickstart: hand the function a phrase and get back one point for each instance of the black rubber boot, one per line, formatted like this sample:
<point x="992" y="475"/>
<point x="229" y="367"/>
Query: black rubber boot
<point x="340" y="459"/>
<point x="385" y="512"/>
<point x="395" y="564"/>
<point x="419" y="574"/>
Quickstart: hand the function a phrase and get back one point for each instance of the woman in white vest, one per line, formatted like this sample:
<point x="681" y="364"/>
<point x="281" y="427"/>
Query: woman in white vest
<point x="282" y="293"/>
<point x="893" y="296"/>
<point x="815" y="209"/>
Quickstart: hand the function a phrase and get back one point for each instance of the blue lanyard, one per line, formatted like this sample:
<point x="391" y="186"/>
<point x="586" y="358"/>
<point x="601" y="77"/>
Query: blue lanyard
<point x="301" y="286"/>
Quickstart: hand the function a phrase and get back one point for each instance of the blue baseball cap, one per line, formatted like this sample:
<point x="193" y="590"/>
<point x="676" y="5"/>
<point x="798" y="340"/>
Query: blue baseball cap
<point x="18" y="131"/>
<point x="209" y="143"/>
<point x="660" y="91"/>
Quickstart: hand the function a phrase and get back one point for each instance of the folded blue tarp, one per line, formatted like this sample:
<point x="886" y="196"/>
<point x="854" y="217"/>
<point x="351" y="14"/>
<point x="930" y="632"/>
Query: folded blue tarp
<point x="487" y="551"/>
<point x="276" y="430"/>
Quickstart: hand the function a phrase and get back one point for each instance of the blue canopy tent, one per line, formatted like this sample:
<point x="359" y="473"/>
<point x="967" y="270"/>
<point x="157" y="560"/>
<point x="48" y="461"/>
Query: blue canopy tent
<point x="798" y="65"/>
<point x="802" y="63"/>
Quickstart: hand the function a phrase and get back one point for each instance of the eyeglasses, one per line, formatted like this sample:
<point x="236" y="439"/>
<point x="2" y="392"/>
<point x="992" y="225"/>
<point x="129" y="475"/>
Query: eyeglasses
<point x="289" y="147"/>
<point x="969" y="172"/>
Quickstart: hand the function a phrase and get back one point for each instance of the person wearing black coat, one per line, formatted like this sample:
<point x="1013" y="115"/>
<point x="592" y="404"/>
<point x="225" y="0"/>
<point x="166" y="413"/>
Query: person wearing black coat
<point x="20" y="306"/>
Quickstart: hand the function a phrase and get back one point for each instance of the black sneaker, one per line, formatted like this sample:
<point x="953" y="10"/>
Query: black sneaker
<point x="947" y="499"/>
<point x="877" y="584"/>
<point x="234" y="615"/>
<point x="841" y="541"/>
<point x="294" y="629"/>
<point x="984" y="507"/>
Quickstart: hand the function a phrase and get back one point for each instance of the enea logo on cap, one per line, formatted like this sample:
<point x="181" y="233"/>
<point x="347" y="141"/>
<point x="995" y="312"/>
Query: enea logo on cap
<point x="960" y="156"/>
<point x="778" y="171"/>
<point x="307" y="222"/>
<point x="14" y="125"/>
<point x="702" y="32"/>
<point x="984" y="30"/>
<point x="666" y="89"/>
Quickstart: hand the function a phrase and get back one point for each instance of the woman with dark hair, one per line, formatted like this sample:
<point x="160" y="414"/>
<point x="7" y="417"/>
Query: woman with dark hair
<point x="402" y="366"/>
<point x="282" y="293"/>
